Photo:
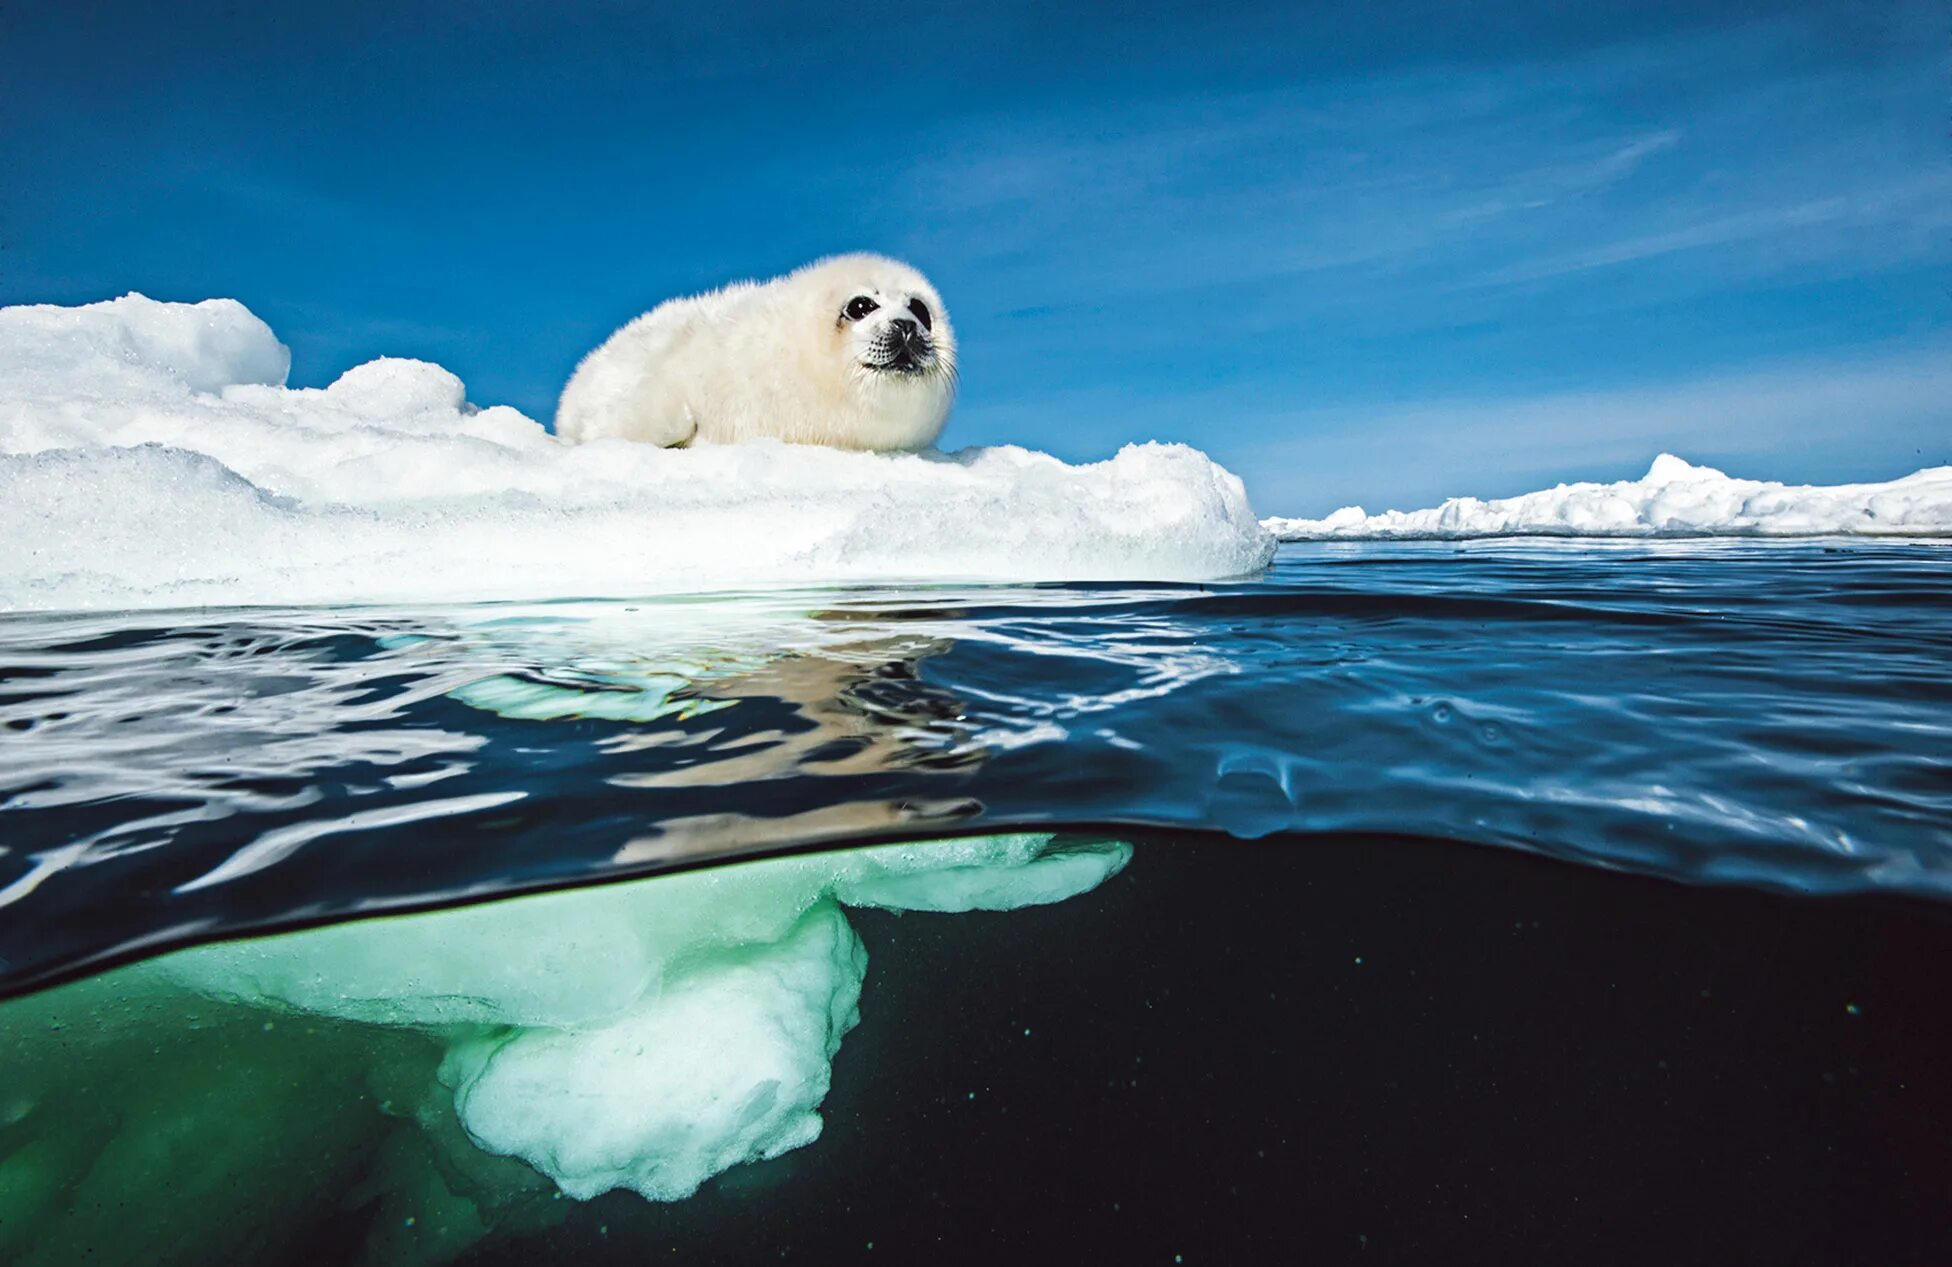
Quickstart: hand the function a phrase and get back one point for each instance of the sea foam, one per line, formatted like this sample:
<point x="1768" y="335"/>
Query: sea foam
<point x="151" y="456"/>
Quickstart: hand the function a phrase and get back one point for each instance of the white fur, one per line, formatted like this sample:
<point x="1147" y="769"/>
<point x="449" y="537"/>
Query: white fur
<point x="769" y="359"/>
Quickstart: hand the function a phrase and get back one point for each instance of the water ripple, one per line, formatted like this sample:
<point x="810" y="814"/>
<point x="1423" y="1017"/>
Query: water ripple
<point x="1771" y="715"/>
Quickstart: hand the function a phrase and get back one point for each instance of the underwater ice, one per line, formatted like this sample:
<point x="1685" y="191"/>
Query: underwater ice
<point x="1674" y="499"/>
<point x="150" y="455"/>
<point x="642" y="1036"/>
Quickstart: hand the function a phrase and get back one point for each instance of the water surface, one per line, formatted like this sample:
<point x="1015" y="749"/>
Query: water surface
<point x="1769" y="715"/>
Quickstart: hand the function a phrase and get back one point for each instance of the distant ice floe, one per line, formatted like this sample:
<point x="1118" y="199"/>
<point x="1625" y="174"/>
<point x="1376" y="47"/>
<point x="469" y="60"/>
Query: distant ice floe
<point x="151" y="456"/>
<point x="1674" y="499"/>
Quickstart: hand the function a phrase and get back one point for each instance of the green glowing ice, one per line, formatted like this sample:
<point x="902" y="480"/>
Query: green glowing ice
<point x="460" y="1072"/>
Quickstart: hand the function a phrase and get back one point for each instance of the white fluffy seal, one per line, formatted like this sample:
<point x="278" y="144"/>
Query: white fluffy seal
<point x="855" y="352"/>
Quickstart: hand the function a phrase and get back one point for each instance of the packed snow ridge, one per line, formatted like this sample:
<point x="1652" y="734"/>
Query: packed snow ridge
<point x="150" y="455"/>
<point x="1674" y="499"/>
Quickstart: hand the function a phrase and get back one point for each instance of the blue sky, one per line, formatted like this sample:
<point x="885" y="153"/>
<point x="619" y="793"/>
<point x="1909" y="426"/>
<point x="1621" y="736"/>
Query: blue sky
<point x="1371" y="252"/>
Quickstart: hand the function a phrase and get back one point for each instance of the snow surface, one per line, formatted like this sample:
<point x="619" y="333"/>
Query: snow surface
<point x="1674" y="499"/>
<point x="151" y="456"/>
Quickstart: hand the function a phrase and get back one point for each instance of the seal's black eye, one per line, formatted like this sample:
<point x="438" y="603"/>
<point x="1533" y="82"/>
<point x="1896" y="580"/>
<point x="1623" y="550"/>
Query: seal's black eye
<point x="921" y="311"/>
<point x="858" y="307"/>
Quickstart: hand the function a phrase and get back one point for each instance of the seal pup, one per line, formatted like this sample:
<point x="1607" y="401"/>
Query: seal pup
<point x="854" y="351"/>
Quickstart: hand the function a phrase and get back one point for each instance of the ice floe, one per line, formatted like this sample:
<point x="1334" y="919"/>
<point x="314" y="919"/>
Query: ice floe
<point x="1675" y="498"/>
<point x="150" y="456"/>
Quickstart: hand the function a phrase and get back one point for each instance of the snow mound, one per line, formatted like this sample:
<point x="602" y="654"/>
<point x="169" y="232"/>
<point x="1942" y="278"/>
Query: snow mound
<point x="150" y="456"/>
<point x="1674" y="499"/>
<point x="136" y="342"/>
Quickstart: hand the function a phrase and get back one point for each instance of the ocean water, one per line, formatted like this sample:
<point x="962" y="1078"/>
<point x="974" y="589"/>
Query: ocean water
<point x="1457" y="902"/>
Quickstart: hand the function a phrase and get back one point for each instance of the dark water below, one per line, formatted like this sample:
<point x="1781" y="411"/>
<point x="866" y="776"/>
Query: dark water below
<point x="1362" y="1051"/>
<point x="1778" y="716"/>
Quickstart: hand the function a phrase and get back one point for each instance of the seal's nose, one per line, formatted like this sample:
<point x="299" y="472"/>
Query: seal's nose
<point x="910" y="334"/>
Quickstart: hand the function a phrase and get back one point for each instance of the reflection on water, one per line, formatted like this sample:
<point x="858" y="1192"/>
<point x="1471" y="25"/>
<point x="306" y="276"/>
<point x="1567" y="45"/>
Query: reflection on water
<point x="855" y="709"/>
<point x="672" y="732"/>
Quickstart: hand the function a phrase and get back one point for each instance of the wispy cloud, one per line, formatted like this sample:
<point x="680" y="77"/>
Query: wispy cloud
<point x="1909" y="209"/>
<point x="1441" y="179"/>
<point x="1541" y="187"/>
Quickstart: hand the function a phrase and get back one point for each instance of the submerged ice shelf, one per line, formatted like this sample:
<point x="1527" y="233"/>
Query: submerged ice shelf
<point x="462" y="1067"/>
<point x="152" y="456"/>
